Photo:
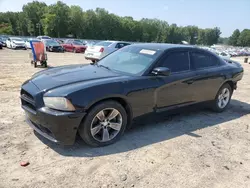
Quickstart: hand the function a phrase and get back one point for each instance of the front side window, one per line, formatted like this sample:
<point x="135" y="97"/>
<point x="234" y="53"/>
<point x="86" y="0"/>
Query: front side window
<point x="202" y="60"/>
<point x="177" y="62"/>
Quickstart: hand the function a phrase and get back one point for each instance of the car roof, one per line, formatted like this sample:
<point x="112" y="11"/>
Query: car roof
<point x="114" y="41"/>
<point x="162" y="46"/>
<point x="16" y="38"/>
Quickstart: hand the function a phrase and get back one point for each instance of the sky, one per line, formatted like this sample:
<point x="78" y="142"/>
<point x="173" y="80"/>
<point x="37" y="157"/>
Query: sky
<point x="228" y="15"/>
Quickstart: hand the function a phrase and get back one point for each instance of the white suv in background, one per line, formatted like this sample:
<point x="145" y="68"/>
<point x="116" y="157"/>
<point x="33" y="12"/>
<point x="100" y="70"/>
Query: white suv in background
<point x="103" y="48"/>
<point x="15" y="43"/>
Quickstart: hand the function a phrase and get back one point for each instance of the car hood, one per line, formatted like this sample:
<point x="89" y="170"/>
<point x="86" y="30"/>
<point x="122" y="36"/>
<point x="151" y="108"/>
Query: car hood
<point x="65" y="75"/>
<point x="18" y="42"/>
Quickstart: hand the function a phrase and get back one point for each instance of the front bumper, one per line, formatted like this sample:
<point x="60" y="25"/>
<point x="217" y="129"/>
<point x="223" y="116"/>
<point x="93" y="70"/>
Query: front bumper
<point x="56" y="49"/>
<point x="58" y="127"/>
<point x="19" y="46"/>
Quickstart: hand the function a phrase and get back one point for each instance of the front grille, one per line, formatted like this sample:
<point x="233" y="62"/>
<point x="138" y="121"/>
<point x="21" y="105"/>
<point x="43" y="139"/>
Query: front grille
<point x="28" y="100"/>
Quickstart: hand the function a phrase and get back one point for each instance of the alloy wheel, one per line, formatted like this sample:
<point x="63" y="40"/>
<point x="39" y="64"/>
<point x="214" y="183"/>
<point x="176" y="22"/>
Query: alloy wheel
<point x="223" y="98"/>
<point x="106" y="125"/>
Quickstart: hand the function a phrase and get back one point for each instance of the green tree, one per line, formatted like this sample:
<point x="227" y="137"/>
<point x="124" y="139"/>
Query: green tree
<point x="76" y="23"/>
<point x="234" y="37"/>
<point x="56" y="19"/>
<point x="244" y="38"/>
<point x="5" y="28"/>
<point x="33" y="14"/>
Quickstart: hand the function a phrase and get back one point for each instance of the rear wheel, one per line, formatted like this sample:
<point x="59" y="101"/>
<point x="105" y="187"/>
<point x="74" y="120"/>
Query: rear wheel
<point x="222" y="98"/>
<point x="104" y="124"/>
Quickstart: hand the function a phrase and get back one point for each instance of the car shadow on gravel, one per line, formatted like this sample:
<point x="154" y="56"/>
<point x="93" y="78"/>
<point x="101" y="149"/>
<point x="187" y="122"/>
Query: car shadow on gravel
<point x="157" y="128"/>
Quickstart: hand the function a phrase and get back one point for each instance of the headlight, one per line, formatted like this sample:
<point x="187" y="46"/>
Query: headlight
<point x="58" y="103"/>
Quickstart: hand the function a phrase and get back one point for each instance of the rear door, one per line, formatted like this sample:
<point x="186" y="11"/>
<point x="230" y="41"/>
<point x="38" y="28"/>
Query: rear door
<point x="209" y="75"/>
<point x="177" y="89"/>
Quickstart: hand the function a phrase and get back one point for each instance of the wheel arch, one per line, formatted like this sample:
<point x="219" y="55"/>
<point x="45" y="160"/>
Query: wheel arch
<point x="230" y="83"/>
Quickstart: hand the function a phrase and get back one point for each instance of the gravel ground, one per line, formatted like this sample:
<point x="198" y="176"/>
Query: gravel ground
<point x="196" y="148"/>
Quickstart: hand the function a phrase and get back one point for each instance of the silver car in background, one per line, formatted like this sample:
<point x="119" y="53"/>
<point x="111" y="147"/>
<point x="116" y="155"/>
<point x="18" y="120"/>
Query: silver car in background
<point x="103" y="48"/>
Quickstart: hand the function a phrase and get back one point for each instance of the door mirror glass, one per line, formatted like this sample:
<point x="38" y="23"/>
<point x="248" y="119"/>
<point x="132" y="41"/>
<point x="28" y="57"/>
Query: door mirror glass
<point x="163" y="71"/>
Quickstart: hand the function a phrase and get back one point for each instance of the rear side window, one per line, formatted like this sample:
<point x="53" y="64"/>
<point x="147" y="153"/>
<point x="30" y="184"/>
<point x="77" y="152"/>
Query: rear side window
<point x="202" y="60"/>
<point x="177" y="62"/>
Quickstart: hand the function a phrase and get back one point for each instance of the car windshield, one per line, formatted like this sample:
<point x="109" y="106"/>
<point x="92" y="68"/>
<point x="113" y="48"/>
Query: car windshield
<point x="45" y="37"/>
<point x="52" y="43"/>
<point x="17" y="39"/>
<point x="130" y="59"/>
<point x="77" y="43"/>
<point x="103" y="43"/>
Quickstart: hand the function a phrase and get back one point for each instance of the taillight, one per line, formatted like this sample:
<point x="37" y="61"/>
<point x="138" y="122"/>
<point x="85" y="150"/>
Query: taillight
<point x="102" y="49"/>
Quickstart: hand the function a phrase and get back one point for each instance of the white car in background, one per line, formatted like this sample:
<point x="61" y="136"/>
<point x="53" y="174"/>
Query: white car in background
<point x="27" y="42"/>
<point x="15" y="43"/>
<point x="224" y="55"/>
<point x="43" y="37"/>
<point x="101" y="49"/>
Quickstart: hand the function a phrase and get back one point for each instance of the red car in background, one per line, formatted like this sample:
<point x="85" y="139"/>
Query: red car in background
<point x="75" y="46"/>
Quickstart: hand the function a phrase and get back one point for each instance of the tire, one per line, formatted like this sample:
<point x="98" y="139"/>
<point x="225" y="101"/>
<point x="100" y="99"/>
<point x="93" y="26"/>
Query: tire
<point x="93" y="61"/>
<point x="216" y="103"/>
<point x="35" y="64"/>
<point x="45" y="64"/>
<point x="98" y="140"/>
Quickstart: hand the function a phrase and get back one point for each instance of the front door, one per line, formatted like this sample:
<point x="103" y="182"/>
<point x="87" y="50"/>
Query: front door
<point x="177" y="88"/>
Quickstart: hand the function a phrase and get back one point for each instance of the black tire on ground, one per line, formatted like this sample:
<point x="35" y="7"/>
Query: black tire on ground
<point x="215" y="103"/>
<point x="93" y="61"/>
<point x="85" y="127"/>
<point x="35" y="64"/>
<point x="45" y="64"/>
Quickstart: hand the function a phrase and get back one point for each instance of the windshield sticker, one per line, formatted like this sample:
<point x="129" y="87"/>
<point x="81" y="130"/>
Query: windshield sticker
<point x="149" y="52"/>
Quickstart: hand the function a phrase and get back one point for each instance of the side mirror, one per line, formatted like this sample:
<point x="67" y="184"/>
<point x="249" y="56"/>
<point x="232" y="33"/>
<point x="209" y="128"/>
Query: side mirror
<point x="162" y="71"/>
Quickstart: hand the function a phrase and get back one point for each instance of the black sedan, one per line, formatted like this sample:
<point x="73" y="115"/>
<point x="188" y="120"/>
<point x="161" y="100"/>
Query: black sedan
<point x="100" y="100"/>
<point x="53" y="46"/>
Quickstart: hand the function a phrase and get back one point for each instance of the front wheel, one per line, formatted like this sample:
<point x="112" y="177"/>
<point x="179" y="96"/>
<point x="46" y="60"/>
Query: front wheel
<point x="222" y="98"/>
<point x="104" y="124"/>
